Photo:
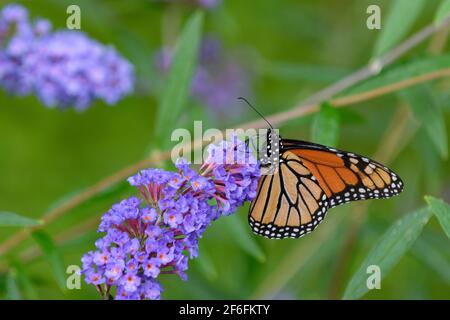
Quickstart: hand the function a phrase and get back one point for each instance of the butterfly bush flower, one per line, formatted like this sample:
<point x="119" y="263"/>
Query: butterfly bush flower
<point x="62" y="68"/>
<point x="156" y="233"/>
<point x="218" y="80"/>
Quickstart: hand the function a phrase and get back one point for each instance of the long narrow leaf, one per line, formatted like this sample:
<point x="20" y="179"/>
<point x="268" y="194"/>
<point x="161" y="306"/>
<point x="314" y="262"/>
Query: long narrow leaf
<point x="12" y="287"/>
<point x="400" y="18"/>
<point x="433" y="257"/>
<point x="176" y="90"/>
<point x="296" y="71"/>
<point x="53" y="257"/>
<point x="239" y="234"/>
<point x="441" y="210"/>
<point x="23" y="280"/>
<point x="427" y="112"/>
<point x="388" y="250"/>
<point x="11" y="219"/>
<point x="325" y="128"/>
<point x="442" y="11"/>
<point x="206" y="264"/>
<point x="402" y="72"/>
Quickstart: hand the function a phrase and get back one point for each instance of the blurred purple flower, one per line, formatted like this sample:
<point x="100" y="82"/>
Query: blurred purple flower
<point x="207" y="4"/>
<point x="63" y="68"/>
<point x="150" y="237"/>
<point x="218" y="80"/>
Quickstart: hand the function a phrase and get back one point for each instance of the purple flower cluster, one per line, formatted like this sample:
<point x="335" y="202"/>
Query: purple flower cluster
<point x="218" y="80"/>
<point x="156" y="235"/>
<point x="63" y="68"/>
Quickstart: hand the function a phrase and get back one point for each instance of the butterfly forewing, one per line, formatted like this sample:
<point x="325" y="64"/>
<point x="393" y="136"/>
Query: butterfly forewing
<point x="345" y="176"/>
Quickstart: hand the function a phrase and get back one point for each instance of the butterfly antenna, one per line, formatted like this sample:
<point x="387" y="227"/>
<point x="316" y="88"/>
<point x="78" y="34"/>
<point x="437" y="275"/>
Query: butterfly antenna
<point x="250" y="105"/>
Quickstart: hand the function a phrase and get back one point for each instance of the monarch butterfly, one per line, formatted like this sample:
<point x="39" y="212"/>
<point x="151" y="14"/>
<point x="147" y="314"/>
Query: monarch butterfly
<point x="310" y="179"/>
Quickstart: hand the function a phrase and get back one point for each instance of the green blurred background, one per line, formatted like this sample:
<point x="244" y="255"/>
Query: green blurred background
<point x="291" y="49"/>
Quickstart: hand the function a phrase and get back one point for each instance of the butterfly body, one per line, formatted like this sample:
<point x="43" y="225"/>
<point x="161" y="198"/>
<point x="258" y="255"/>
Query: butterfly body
<point x="304" y="180"/>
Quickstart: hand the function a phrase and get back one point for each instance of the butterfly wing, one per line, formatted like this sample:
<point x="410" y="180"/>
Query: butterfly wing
<point x="310" y="179"/>
<point x="345" y="176"/>
<point x="289" y="203"/>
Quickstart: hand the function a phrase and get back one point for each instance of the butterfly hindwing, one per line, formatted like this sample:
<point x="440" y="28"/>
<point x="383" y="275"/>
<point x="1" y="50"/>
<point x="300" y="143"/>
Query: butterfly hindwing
<point x="289" y="203"/>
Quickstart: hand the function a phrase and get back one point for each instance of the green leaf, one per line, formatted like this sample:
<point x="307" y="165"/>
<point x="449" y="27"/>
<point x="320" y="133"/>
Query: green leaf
<point x="176" y="90"/>
<point x="108" y="192"/>
<point x="399" y="21"/>
<point x="27" y="285"/>
<point x="53" y="257"/>
<point x="294" y="72"/>
<point x="442" y="12"/>
<point x="206" y="264"/>
<point x="239" y="234"/>
<point x="441" y="210"/>
<point x="388" y="250"/>
<point x="402" y="72"/>
<point x="137" y="51"/>
<point x="351" y="117"/>
<point x="325" y="127"/>
<point x="10" y="219"/>
<point x="430" y="164"/>
<point x="23" y="280"/>
<point x="427" y="112"/>
<point x="433" y="257"/>
<point x="12" y="287"/>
